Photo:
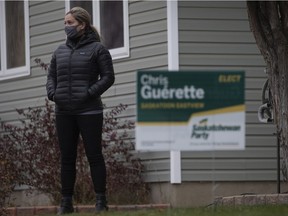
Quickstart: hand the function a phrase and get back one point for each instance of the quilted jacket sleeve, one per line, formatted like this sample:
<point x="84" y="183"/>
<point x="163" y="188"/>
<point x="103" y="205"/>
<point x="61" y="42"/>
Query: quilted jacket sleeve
<point x="51" y="79"/>
<point x="106" y="70"/>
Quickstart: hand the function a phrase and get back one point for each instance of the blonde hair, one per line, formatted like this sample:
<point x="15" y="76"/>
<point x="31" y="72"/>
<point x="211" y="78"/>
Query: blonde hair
<point x="82" y="16"/>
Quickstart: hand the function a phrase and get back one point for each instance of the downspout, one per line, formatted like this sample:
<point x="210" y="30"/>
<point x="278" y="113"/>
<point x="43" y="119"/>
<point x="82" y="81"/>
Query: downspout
<point x="173" y="65"/>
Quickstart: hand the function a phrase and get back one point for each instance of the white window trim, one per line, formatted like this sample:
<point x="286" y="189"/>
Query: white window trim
<point x="173" y="64"/>
<point x="117" y="53"/>
<point x="19" y="71"/>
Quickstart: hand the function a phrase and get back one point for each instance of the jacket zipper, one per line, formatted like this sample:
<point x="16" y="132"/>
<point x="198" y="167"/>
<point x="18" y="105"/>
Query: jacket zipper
<point x="70" y="78"/>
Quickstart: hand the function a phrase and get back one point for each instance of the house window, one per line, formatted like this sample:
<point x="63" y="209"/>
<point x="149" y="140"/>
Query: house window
<point x="14" y="39"/>
<point x="111" y="20"/>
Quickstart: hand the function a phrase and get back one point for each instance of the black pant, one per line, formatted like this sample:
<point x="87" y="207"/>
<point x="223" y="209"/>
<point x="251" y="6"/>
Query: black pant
<point x="68" y="128"/>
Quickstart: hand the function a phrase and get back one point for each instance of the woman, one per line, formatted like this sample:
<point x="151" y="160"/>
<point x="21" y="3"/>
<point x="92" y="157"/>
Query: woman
<point x="80" y="71"/>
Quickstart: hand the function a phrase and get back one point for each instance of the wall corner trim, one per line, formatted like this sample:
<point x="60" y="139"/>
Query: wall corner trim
<point x="173" y="64"/>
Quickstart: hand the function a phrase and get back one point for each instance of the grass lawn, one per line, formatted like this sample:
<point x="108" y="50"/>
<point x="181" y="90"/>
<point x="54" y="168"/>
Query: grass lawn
<point x="268" y="210"/>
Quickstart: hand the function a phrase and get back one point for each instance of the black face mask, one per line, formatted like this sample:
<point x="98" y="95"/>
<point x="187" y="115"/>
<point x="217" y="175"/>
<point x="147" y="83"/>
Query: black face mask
<point x="71" y="32"/>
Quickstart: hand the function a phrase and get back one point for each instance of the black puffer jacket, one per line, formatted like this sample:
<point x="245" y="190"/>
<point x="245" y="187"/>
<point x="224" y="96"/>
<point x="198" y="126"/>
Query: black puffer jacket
<point x="78" y="75"/>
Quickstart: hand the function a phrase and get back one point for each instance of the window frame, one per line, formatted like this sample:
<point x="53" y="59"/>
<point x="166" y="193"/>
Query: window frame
<point x="17" y="71"/>
<point x="117" y="53"/>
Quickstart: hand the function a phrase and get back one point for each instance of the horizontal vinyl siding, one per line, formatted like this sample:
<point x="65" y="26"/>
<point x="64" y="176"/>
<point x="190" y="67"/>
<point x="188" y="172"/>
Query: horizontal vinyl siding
<point x="46" y="32"/>
<point x="148" y="50"/>
<point x="157" y="166"/>
<point x="216" y="36"/>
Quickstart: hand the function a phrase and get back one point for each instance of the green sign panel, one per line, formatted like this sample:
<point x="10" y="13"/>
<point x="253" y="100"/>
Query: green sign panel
<point x="190" y="110"/>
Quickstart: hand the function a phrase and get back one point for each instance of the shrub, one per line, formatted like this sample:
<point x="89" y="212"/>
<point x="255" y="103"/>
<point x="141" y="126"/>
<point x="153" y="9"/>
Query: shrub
<point x="124" y="168"/>
<point x="7" y="178"/>
<point x="33" y="155"/>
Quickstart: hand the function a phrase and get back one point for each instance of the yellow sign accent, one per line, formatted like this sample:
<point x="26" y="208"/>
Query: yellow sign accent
<point x="237" y="108"/>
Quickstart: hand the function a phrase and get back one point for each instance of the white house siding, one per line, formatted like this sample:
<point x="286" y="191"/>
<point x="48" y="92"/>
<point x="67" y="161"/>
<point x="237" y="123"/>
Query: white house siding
<point x="216" y="36"/>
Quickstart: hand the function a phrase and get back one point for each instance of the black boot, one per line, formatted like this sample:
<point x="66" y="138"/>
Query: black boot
<point x="101" y="203"/>
<point x="66" y="206"/>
